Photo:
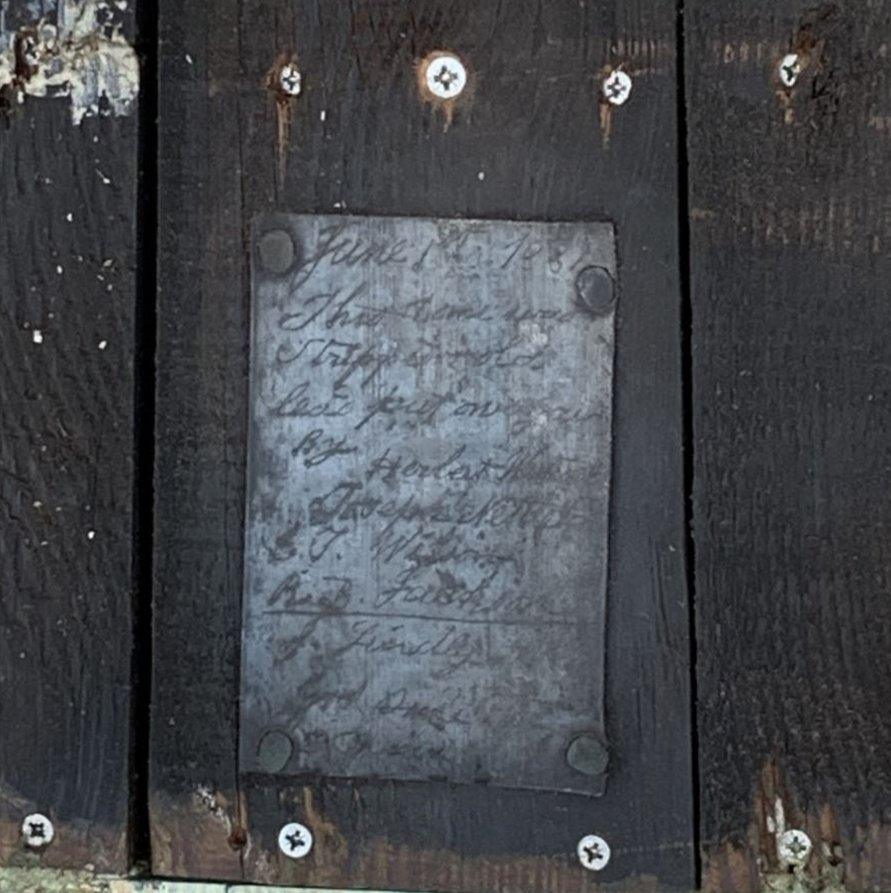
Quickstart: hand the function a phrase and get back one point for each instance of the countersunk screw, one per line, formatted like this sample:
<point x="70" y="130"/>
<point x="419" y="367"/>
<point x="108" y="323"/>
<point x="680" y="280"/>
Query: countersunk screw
<point x="617" y="87"/>
<point x="790" y="68"/>
<point x="794" y="847"/>
<point x="295" y="840"/>
<point x="37" y="831"/>
<point x="445" y="76"/>
<point x="593" y="852"/>
<point x="291" y="80"/>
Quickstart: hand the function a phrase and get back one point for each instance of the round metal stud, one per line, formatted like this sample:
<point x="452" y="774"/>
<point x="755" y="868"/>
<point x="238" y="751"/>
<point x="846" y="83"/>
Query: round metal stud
<point x="274" y="750"/>
<point x="276" y="249"/>
<point x="595" y="290"/>
<point x="587" y="754"/>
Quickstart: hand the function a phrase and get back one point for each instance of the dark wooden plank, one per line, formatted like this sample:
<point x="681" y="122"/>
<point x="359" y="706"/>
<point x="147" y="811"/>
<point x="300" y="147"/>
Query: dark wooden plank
<point x="67" y="276"/>
<point x="529" y="140"/>
<point x="791" y="323"/>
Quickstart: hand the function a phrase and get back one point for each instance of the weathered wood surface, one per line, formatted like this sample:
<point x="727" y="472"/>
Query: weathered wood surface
<point x="791" y="351"/>
<point x="67" y="256"/>
<point x="529" y="140"/>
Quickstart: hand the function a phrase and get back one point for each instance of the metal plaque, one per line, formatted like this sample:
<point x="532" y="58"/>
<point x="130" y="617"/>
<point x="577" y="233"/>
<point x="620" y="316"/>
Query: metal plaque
<point x="427" y="500"/>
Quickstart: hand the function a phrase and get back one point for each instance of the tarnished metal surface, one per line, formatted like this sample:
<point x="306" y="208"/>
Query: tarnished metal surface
<point x="428" y="492"/>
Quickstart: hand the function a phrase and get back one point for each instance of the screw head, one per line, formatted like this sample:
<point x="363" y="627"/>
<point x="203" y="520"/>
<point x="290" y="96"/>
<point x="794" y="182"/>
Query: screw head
<point x="617" y="87"/>
<point x="593" y="852"/>
<point x="794" y="847"/>
<point x="37" y="831"/>
<point x="290" y="80"/>
<point x="295" y="840"/>
<point x="445" y="76"/>
<point x="790" y="68"/>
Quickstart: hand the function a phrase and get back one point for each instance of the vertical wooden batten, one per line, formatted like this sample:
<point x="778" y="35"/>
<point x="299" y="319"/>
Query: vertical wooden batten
<point x="530" y="140"/>
<point x="789" y="202"/>
<point x="67" y="307"/>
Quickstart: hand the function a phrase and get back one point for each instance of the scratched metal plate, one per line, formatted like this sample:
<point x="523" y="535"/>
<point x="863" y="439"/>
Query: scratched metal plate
<point x="427" y="499"/>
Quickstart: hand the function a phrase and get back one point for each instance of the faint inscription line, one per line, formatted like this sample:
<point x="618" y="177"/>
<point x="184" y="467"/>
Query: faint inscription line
<point x="497" y="621"/>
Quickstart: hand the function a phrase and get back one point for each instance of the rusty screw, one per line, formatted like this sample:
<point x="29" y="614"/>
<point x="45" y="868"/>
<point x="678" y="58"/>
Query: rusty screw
<point x="291" y="80"/>
<point x="445" y="76"/>
<point x="790" y="68"/>
<point x="593" y="852"/>
<point x="37" y="831"/>
<point x="295" y="840"/>
<point x="617" y="87"/>
<point x="794" y="847"/>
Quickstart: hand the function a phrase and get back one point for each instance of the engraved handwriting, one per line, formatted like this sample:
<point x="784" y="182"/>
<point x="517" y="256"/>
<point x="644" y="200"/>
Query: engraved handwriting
<point x="431" y="415"/>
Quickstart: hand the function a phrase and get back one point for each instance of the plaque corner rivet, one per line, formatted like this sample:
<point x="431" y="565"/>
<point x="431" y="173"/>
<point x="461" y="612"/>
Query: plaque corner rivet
<point x="274" y="750"/>
<point x="276" y="251"/>
<point x="595" y="290"/>
<point x="295" y="840"/>
<point x="593" y="852"/>
<point x="37" y="831"/>
<point x="587" y="754"/>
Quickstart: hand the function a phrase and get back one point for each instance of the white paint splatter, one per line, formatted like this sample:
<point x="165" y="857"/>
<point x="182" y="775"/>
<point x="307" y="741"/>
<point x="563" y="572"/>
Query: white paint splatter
<point x="80" y="55"/>
<point x="37" y="336"/>
<point x="103" y="345"/>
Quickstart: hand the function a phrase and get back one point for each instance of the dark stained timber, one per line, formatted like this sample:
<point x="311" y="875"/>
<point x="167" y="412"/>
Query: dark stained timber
<point x="790" y="175"/>
<point x="428" y="495"/>
<point x="68" y="175"/>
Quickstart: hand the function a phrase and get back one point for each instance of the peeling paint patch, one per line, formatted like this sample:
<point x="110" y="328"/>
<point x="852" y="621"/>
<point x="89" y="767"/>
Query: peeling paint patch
<point x="77" y="51"/>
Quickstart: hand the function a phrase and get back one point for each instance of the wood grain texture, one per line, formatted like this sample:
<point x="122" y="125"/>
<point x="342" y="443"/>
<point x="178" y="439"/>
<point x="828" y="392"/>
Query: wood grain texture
<point x="791" y="321"/>
<point x="529" y="141"/>
<point x="67" y="257"/>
